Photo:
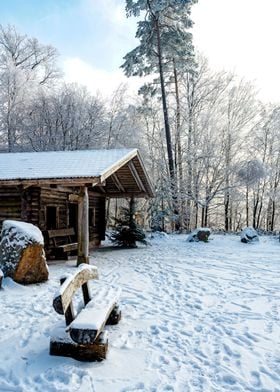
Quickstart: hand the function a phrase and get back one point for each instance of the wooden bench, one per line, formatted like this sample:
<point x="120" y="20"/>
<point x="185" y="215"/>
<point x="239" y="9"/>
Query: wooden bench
<point x="85" y="338"/>
<point x="60" y="243"/>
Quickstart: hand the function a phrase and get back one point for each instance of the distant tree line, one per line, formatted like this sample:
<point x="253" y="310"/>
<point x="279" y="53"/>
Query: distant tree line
<point x="212" y="149"/>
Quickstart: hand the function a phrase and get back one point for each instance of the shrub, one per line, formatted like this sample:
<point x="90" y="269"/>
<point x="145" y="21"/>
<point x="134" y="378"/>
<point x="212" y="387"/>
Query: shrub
<point x="127" y="232"/>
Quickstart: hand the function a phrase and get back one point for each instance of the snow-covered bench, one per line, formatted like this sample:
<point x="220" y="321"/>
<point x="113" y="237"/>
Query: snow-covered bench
<point x="84" y="338"/>
<point x="1" y="277"/>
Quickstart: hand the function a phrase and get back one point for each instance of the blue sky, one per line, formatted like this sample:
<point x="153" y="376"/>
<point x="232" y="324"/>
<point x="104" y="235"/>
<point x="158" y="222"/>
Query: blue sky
<point x="92" y="36"/>
<point x="95" y="31"/>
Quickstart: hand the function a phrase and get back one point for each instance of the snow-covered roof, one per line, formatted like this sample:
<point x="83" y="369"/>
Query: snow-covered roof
<point x="61" y="164"/>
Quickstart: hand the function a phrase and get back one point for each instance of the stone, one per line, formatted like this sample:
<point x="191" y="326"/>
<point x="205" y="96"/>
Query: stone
<point x="200" y="234"/>
<point x="249" y="235"/>
<point x="22" y="254"/>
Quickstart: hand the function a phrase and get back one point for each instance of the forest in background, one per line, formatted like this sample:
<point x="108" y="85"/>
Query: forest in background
<point x="211" y="147"/>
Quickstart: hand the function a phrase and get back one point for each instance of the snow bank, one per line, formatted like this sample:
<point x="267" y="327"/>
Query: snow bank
<point x="159" y="235"/>
<point x="23" y="232"/>
<point x="194" y="319"/>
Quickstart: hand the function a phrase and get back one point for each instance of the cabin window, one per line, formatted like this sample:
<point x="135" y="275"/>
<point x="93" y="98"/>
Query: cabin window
<point x="51" y="217"/>
<point x="91" y="217"/>
<point x="73" y="216"/>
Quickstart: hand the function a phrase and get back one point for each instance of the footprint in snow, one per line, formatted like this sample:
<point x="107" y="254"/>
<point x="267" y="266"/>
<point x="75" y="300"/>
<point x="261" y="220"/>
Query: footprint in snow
<point x="25" y="338"/>
<point x="256" y="381"/>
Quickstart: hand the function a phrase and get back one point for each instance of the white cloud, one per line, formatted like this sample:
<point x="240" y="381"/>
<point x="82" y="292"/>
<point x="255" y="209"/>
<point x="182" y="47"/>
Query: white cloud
<point x="241" y="35"/>
<point x="97" y="80"/>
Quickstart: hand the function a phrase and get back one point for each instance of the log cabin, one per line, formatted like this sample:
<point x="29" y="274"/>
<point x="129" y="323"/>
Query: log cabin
<point x="69" y="189"/>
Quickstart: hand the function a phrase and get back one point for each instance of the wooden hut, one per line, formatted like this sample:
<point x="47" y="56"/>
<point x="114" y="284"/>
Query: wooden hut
<point x="68" y="189"/>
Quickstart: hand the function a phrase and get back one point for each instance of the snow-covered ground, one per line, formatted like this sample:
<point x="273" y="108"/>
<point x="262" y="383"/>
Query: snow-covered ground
<point x="196" y="317"/>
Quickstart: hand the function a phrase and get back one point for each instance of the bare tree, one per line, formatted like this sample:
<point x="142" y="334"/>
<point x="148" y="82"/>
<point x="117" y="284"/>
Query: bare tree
<point x="25" y="65"/>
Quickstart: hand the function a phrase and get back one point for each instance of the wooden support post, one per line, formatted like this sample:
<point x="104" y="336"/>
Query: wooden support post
<point x="69" y="312"/>
<point x="83" y="231"/>
<point x="86" y="293"/>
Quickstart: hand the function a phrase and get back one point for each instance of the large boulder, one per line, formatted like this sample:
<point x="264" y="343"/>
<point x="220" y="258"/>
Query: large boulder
<point x="22" y="255"/>
<point x="249" y="235"/>
<point x="200" y="234"/>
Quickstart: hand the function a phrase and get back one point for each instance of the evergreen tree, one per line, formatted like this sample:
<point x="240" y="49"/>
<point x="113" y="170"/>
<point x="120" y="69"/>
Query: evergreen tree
<point x="165" y="43"/>
<point x="127" y="232"/>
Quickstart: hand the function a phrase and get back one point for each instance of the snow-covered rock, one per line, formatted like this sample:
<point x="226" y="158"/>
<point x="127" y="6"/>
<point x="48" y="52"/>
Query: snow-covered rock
<point x="157" y="235"/>
<point x="22" y="255"/>
<point x="199" y="234"/>
<point x="249" y="235"/>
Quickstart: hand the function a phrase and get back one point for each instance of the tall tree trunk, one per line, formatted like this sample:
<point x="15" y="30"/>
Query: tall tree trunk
<point x="164" y="107"/>
<point x="255" y="209"/>
<point x="247" y="205"/>
<point x="227" y="218"/>
<point x="196" y="215"/>
<point x="180" y="199"/>
<point x="206" y="216"/>
<point x="166" y="124"/>
<point x="190" y="97"/>
<point x="202" y="216"/>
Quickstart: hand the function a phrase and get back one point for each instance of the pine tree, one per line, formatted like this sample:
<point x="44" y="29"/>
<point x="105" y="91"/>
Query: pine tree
<point x="165" y="46"/>
<point x="127" y="232"/>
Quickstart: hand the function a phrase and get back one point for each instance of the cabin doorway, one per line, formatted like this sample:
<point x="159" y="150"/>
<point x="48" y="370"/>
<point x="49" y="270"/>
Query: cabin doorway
<point x="51" y="218"/>
<point x="73" y="216"/>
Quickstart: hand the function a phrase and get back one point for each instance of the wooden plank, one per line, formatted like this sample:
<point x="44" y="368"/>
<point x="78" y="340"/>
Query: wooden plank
<point x="136" y="176"/>
<point x="68" y="247"/>
<point x="115" y="316"/>
<point x="89" y="323"/>
<point x="61" y="232"/>
<point x="64" y="346"/>
<point x="73" y="198"/>
<point x="118" y="165"/>
<point x="81" y="181"/>
<point x="136" y="194"/>
<point x="101" y="188"/>
<point x="83" y="227"/>
<point x="86" y="293"/>
<point x="69" y="312"/>
<point x="63" y="298"/>
<point x="150" y="189"/>
<point x="117" y="182"/>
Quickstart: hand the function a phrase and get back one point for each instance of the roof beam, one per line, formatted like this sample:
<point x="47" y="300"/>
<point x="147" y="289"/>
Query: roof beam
<point x="115" y="195"/>
<point x="118" y="165"/>
<point x="136" y="176"/>
<point x="117" y="182"/>
<point x="48" y="181"/>
<point x="101" y="188"/>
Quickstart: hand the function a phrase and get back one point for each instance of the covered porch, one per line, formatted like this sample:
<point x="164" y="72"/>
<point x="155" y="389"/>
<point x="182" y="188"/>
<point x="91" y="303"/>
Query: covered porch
<point x="56" y="190"/>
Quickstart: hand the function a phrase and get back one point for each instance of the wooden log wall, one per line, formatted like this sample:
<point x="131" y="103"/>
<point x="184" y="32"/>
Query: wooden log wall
<point x="97" y="223"/>
<point x="54" y="198"/>
<point x="30" y="205"/>
<point x="10" y="204"/>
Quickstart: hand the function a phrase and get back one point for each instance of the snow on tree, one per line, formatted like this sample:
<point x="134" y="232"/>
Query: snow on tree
<point x="26" y="65"/>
